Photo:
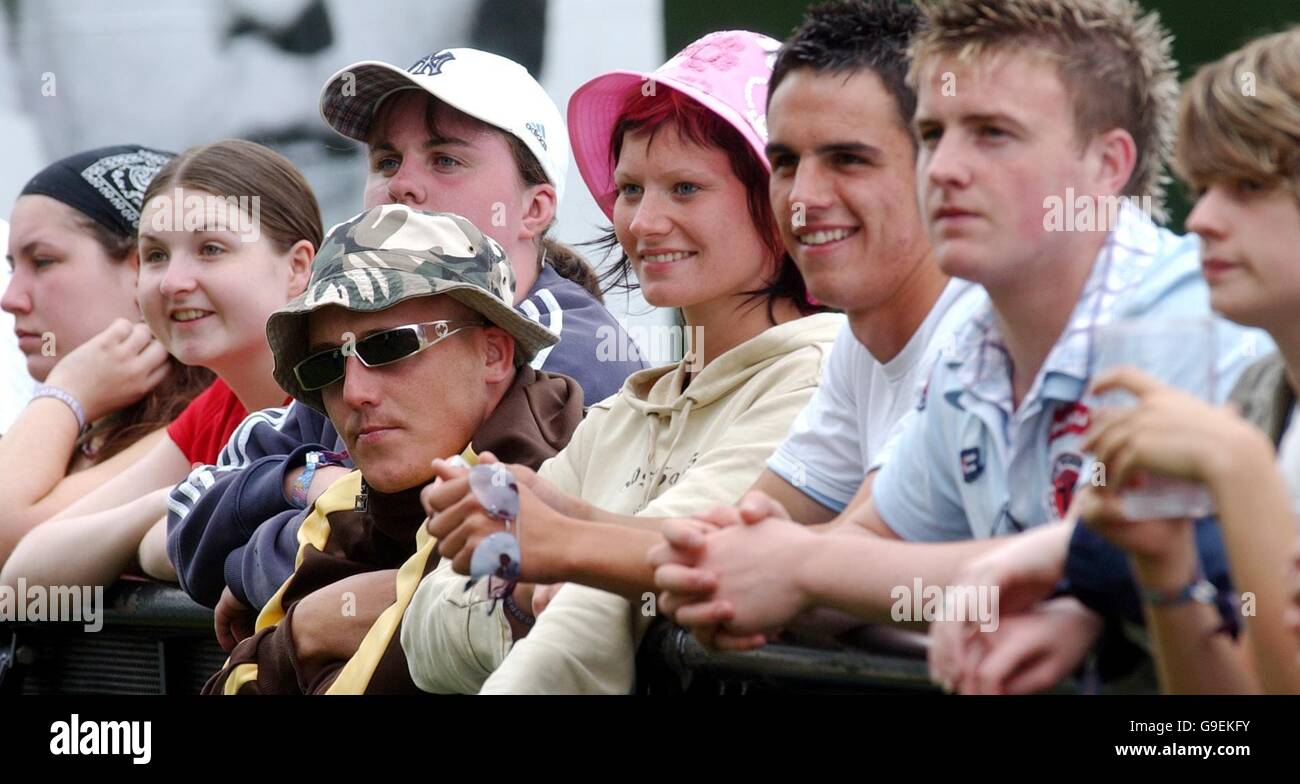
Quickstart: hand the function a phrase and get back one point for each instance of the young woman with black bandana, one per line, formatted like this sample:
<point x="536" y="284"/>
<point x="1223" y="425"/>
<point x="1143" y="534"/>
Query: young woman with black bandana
<point x="106" y="388"/>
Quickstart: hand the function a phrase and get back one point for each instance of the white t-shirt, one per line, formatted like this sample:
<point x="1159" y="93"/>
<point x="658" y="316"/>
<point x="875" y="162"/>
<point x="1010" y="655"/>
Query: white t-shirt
<point x="1288" y="459"/>
<point x="15" y="384"/>
<point x="848" y="427"/>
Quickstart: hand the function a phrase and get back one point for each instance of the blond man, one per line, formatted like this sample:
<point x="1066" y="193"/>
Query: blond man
<point x="1239" y="151"/>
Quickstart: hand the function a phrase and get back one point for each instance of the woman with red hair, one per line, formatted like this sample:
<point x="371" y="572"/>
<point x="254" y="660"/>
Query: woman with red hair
<point x="676" y="159"/>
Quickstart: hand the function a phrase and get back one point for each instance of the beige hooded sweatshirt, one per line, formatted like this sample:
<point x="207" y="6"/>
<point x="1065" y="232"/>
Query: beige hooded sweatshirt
<point x="652" y="449"/>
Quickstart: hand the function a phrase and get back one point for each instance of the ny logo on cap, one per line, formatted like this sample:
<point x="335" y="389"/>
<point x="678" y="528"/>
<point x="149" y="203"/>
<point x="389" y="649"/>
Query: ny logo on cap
<point x="539" y="131"/>
<point x="431" y="64"/>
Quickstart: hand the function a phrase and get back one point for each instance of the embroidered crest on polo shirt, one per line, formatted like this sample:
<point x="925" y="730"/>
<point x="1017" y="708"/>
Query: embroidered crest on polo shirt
<point x="1065" y="477"/>
<point x="972" y="464"/>
<point x="1070" y="419"/>
<point x="431" y="64"/>
<point x="538" y="130"/>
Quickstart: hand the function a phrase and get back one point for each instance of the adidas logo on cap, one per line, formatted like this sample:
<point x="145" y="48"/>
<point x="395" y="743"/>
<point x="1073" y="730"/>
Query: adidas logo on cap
<point x="539" y="131"/>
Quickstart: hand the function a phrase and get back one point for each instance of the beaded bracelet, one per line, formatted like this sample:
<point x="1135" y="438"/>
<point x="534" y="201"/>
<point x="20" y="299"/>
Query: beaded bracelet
<point x="517" y="612"/>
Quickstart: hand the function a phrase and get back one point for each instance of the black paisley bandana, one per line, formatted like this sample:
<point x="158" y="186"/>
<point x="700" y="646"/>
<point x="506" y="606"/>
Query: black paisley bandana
<point x="107" y="185"/>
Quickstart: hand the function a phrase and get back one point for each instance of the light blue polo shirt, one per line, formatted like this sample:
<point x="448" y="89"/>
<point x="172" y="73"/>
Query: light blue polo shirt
<point x="968" y="466"/>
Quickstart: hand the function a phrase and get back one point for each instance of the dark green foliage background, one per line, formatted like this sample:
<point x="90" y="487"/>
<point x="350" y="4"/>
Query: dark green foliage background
<point x="1204" y="30"/>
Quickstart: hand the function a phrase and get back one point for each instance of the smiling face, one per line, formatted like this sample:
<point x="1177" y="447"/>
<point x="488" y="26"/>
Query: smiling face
<point x="1249" y="234"/>
<point x="396" y="418"/>
<point x="997" y="139"/>
<point x="843" y="186"/>
<point x="207" y="294"/>
<point x="682" y="217"/>
<point x="64" y="284"/>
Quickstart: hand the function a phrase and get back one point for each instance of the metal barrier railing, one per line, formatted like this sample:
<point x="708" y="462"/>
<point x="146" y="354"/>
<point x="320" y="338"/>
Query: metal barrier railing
<point x="672" y="661"/>
<point x="156" y="640"/>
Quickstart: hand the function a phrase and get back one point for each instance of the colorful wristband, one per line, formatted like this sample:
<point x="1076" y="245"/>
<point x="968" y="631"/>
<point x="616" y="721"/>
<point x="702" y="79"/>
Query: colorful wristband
<point x="314" y="461"/>
<point x="303" y="483"/>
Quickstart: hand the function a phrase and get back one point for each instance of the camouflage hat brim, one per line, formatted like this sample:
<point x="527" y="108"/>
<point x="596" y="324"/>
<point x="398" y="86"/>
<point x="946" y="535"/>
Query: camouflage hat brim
<point x="373" y="289"/>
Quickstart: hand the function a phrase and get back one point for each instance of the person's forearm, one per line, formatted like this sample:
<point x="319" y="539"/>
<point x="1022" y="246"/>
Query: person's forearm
<point x="90" y="550"/>
<point x="37" y="447"/>
<point x="852" y="519"/>
<point x="608" y="557"/>
<point x="859" y="574"/>
<point x="1193" y="655"/>
<point x="801" y="508"/>
<point x="844" y="525"/>
<point x="321" y="480"/>
<point x="16" y="519"/>
<point x="799" y="505"/>
<point x="152" y="553"/>
<point x="160" y="468"/>
<point x="1259" y="531"/>
<point x="597" y="515"/>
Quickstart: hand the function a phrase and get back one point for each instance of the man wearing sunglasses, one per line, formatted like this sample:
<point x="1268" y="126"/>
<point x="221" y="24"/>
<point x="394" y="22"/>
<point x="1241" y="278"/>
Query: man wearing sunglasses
<point x="407" y="340"/>
<point x="460" y="130"/>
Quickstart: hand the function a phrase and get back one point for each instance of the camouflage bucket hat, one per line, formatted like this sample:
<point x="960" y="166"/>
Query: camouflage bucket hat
<point x="393" y="253"/>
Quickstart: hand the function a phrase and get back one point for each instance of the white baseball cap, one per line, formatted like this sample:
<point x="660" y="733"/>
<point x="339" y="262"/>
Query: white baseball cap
<point x="488" y="87"/>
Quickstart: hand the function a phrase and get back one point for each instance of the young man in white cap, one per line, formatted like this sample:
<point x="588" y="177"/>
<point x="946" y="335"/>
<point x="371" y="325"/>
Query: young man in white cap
<point x="460" y="130"/>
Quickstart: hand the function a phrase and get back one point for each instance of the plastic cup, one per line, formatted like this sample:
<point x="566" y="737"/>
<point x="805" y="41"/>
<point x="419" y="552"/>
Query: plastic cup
<point x="1181" y="354"/>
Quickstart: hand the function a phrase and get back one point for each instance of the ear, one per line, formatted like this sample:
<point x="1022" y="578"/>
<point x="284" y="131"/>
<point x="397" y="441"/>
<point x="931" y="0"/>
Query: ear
<point x="131" y="272"/>
<point x="500" y="354"/>
<point x="300" y="256"/>
<point x="539" y="206"/>
<point x="1117" y="157"/>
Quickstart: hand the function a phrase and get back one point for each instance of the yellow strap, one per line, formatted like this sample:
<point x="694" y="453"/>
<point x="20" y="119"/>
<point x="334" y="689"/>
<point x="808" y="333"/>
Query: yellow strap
<point x="356" y="674"/>
<point x="314" y="531"/>
<point x="244" y="673"/>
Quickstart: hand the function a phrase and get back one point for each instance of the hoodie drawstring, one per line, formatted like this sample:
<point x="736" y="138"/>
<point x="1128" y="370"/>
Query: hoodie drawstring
<point x="657" y="476"/>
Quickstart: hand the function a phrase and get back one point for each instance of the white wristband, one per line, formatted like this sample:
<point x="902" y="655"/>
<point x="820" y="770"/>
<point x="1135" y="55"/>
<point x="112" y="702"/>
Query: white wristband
<point x="45" y="390"/>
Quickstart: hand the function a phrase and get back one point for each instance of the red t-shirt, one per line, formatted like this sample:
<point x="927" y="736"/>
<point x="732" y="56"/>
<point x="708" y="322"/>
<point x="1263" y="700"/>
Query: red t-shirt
<point x="206" y="424"/>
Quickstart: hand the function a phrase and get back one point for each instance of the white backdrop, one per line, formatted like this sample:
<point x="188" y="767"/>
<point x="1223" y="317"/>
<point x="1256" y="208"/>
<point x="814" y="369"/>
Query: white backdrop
<point x="77" y="74"/>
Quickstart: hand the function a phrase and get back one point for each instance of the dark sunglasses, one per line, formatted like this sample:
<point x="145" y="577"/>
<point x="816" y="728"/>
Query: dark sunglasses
<point x="382" y="348"/>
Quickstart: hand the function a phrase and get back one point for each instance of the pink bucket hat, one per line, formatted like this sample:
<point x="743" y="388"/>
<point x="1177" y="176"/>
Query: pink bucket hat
<point x="726" y="72"/>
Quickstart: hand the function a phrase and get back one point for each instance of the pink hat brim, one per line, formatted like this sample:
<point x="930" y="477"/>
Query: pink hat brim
<point x="593" y="112"/>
